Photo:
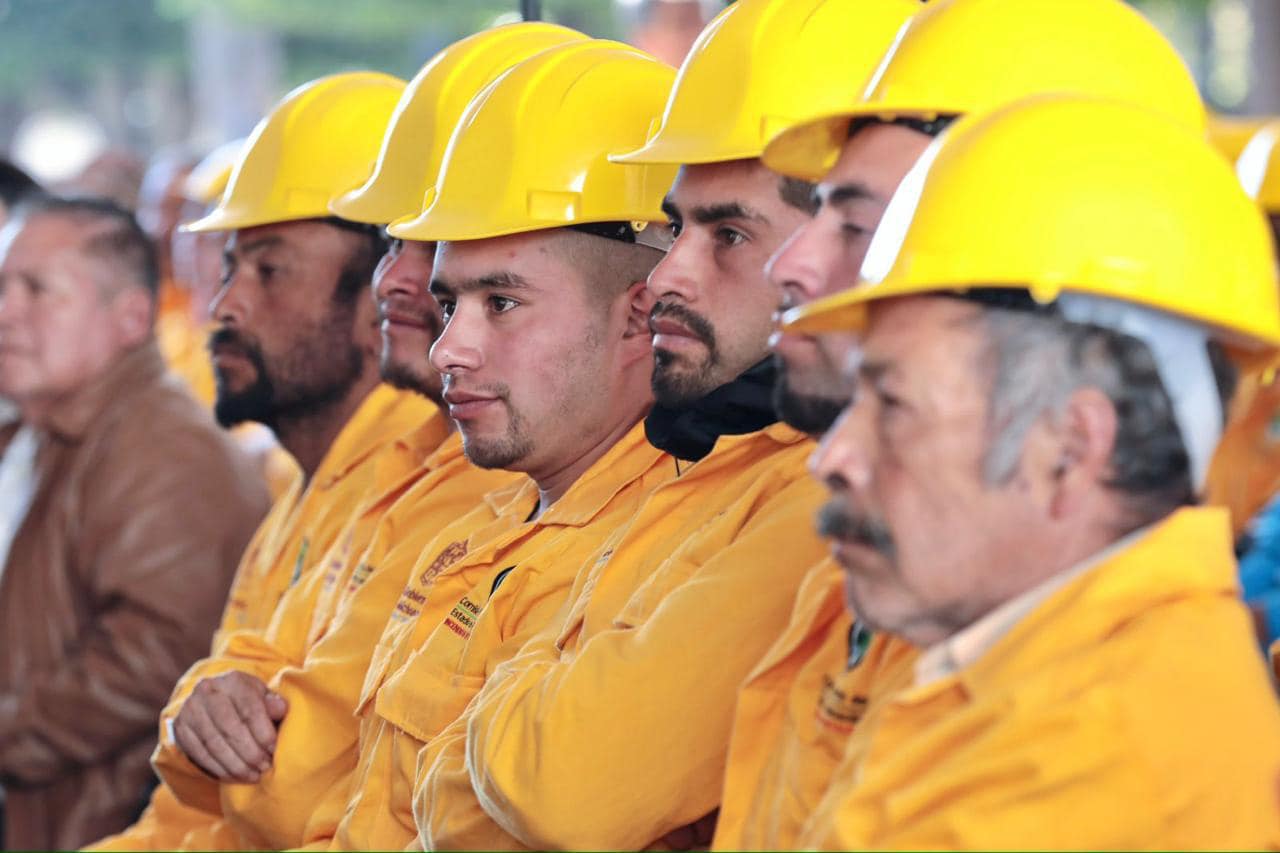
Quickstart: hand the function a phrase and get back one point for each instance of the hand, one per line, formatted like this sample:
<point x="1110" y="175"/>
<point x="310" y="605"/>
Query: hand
<point x="227" y="727"/>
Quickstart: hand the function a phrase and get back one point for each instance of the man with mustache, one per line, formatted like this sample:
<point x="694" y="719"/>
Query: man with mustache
<point x="1033" y="420"/>
<point x="137" y="511"/>
<point x="295" y="348"/>
<point x="808" y="694"/>
<point x="542" y="251"/>
<point x="315" y="653"/>
<point x="677" y="607"/>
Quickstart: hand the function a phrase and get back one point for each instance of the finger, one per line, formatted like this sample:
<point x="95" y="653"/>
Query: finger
<point x="237" y="769"/>
<point x="191" y="742"/>
<point x="216" y="710"/>
<point x="236" y="732"/>
<point x="256" y="723"/>
<point x="277" y="706"/>
<point x="191" y="746"/>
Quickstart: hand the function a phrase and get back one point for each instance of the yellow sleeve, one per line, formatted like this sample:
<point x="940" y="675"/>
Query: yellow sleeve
<point x="318" y="739"/>
<point x="257" y="653"/>
<point x="625" y="742"/>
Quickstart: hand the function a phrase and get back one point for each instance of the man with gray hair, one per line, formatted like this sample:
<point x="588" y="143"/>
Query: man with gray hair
<point x="140" y="509"/>
<point x="1040" y="385"/>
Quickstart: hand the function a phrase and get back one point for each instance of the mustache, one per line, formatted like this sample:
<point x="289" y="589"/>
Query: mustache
<point x="231" y="338"/>
<point x="696" y="323"/>
<point x="408" y="308"/>
<point x="498" y="390"/>
<point x="836" y="520"/>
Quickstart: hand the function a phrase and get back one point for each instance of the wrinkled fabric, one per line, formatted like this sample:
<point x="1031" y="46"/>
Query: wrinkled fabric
<point x="304" y="521"/>
<point x="112" y="587"/>
<point x="609" y="729"/>
<point x="690" y="432"/>
<point x="795" y="714"/>
<point x="478" y="591"/>
<point x="323" y="634"/>
<point x="1072" y="731"/>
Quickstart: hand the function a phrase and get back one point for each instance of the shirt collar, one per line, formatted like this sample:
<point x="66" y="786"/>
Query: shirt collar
<point x="967" y="645"/>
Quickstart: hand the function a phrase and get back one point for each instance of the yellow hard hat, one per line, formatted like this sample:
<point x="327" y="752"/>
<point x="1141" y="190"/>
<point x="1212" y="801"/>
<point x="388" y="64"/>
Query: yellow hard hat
<point x="1066" y="195"/>
<point x="429" y="109"/>
<point x="531" y="151"/>
<point x="209" y="178"/>
<point x="321" y="139"/>
<point x="1230" y="134"/>
<point x="1259" y="168"/>
<point x="761" y="66"/>
<point x="967" y="56"/>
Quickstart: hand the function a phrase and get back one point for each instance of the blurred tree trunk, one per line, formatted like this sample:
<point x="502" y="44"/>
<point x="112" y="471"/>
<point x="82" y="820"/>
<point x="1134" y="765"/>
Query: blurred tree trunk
<point x="1264" y="94"/>
<point x="236" y="75"/>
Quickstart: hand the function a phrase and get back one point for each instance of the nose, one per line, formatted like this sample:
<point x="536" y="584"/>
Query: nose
<point x="229" y="306"/>
<point x="676" y="274"/>
<point x="405" y="271"/>
<point x="797" y="267"/>
<point x="842" y="459"/>
<point x="460" y="347"/>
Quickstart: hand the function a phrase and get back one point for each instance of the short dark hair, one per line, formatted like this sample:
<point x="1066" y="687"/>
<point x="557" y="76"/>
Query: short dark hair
<point x="120" y="240"/>
<point x="15" y="184"/>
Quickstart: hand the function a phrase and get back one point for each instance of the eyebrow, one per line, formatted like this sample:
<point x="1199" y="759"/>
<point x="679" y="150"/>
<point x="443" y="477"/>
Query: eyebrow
<point x="839" y="195"/>
<point x="710" y="214"/>
<point x="874" y="371"/>
<point x="492" y="281"/>
<point x="251" y="246"/>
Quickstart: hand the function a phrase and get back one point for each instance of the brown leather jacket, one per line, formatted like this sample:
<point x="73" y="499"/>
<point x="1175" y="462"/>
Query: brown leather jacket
<point x="113" y="586"/>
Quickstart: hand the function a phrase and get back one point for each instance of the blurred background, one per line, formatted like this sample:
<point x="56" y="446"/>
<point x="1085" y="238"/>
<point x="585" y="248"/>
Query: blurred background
<point x="91" y="90"/>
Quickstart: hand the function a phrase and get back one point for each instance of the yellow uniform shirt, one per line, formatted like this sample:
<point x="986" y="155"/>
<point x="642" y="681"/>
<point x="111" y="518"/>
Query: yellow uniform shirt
<point x="282" y="643"/>
<point x="1245" y="473"/>
<point x="297" y="523"/>
<point x="472" y="600"/>
<point x="338" y="623"/>
<point x="610" y="730"/>
<point x="1129" y="709"/>
<point x="795" y="714"/>
<point x="310" y="524"/>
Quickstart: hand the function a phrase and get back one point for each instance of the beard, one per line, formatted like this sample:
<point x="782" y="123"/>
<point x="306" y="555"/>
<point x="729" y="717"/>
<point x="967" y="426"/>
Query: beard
<point x="316" y="372"/>
<point x="420" y="380"/>
<point x="807" y="413"/>
<point x="502" y="451"/>
<point x="837" y="520"/>
<point x="676" y="380"/>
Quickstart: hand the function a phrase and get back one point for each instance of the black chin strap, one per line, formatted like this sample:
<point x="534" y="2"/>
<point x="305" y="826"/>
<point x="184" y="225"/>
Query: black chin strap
<point x="739" y="407"/>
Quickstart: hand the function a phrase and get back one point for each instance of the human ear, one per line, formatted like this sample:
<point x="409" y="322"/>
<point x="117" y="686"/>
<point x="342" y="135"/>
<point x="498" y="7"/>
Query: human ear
<point x="133" y="310"/>
<point x="639" y="302"/>
<point x="1087" y="431"/>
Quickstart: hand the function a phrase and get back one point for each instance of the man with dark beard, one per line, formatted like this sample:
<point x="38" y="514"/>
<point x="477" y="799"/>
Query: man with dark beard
<point x="296" y="348"/>
<point x="323" y="633"/>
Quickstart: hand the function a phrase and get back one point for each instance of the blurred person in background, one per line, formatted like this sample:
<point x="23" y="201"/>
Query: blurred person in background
<point x="15" y="185"/>
<point x="140" y="510"/>
<point x="115" y="174"/>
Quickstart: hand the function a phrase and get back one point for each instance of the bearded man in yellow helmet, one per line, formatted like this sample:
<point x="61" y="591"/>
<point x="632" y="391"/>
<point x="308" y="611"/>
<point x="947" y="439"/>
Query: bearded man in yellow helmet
<point x="296" y="348"/>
